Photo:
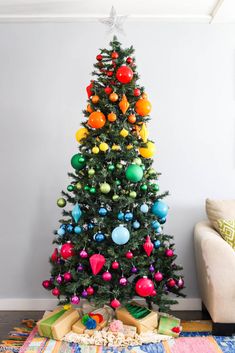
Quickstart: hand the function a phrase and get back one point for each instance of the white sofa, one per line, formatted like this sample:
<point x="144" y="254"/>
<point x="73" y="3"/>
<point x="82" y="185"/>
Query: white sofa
<point x="215" y="261"/>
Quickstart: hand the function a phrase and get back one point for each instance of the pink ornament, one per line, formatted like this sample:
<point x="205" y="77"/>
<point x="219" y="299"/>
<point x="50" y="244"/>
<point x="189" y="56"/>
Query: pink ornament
<point x="115" y="303"/>
<point x="67" y="251"/>
<point x="158" y="276"/>
<point x="169" y="253"/>
<point x="180" y="282"/>
<point x="55" y="292"/>
<point x="116" y="326"/>
<point x="67" y="276"/>
<point x="54" y="256"/>
<point x="129" y="255"/>
<point x="75" y="300"/>
<point x="123" y="281"/>
<point x="107" y="276"/>
<point x="115" y="265"/>
<point x="46" y="284"/>
<point x="90" y="290"/>
<point x="144" y="287"/>
<point x="59" y="279"/>
<point x="83" y="254"/>
<point x="171" y="283"/>
<point x="97" y="261"/>
<point x="148" y="246"/>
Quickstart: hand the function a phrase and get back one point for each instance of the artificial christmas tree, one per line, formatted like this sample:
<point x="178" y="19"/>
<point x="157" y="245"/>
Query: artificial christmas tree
<point x="111" y="246"/>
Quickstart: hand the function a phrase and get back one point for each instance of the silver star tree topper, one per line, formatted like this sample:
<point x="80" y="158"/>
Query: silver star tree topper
<point x="114" y="22"/>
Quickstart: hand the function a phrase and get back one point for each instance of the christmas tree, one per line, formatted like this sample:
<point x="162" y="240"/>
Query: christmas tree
<point x="110" y="246"/>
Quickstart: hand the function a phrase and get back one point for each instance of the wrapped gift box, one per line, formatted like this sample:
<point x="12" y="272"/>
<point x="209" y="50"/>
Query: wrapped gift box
<point x="139" y="316"/>
<point x="58" y="323"/>
<point x="169" y="325"/>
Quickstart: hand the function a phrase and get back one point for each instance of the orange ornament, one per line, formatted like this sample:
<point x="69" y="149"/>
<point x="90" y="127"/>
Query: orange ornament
<point x="124" y="104"/>
<point x="112" y="117"/>
<point x="132" y="118"/>
<point x="95" y="99"/>
<point x="143" y="107"/>
<point x="89" y="109"/>
<point x="113" y="97"/>
<point x="96" y="120"/>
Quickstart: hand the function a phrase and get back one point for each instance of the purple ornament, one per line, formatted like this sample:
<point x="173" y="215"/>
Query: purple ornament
<point x="59" y="279"/>
<point x="123" y="281"/>
<point x="134" y="269"/>
<point x="151" y="268"/>
<point x="83" y="254"/>
<point x="180" y="282"/>
<point x="80" y="268"/>
<point x="84" y="293"/>
<point x="75" y="299"/>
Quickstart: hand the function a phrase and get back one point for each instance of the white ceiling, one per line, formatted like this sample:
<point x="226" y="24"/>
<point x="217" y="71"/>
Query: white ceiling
<point x="196" y="11"/>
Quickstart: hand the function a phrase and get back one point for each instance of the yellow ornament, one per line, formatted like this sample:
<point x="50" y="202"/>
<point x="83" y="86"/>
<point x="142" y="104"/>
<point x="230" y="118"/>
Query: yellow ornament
<point x="81" y="134"/>
<point x="124" y="133"/>
<point x="144" y="133"/>
<point x="103" y="146"/>
<point x="124" y="104"/>
<point x="116" y="147"/>
<point x="148" y="151"/>
<point x="95" y="150"/>
<point x="129" y="147"/>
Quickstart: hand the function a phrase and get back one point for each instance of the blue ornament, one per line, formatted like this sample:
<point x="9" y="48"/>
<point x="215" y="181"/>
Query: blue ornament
<point x="159" y="209"/>
<point x="63" y="226"/>
<point x="136" y="225"/>
<point x="144" y="208"/>
<point x="69" y="228"/>
<point x="76" y="213"/>
<point x="99" y="237"/>
<point x="61" y="231"/>
<point x="128" y="216"/>
<point x="77" y="230"/>
<point x="120" y="216"/>
<point x="90" y="225"/>
<point x="120" y="235"/>
<point x="103" y="211"/>
<point x="159" y="229"/>
<point x="90" y="324"/>
<point x="157" y="244"/>
<point x="162" y="220"/>
<point x="155" y="224"/>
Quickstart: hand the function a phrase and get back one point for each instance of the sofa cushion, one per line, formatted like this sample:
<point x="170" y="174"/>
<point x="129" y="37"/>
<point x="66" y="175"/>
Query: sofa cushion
<point x="220" y="209"/>
<point x="227" y="231"/>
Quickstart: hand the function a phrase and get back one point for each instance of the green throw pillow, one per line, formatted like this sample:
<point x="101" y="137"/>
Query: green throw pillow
<point x="227" y="231"/>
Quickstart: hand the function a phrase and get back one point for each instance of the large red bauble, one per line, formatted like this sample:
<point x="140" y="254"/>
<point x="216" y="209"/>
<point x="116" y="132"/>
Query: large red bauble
<point x="144" y="287"/>
<point x="96" y="120"/>
<point x="55" y="292"/>
<point x="90" y="290"/>
<point x="67" y="251"/>
<point x="115" y="303"/>
<point x="97" y="261"/>
<point x="115" y="265"/>
<point x="54" y="256"/>
<point x="124" y="74"/>
<point x="46" y="284"/>
<point x="108" y="90"/>
<point x="148" y="246"/>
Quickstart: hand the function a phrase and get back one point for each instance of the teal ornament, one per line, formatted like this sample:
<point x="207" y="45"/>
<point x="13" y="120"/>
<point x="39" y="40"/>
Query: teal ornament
<point x="103" y="211"/>
<point x="157" y="244"/>
<point x="159" y="209"/>
<point x="144" y="187"/>
<point x="70" y="187"/>
<point x="155" y="224"/>
<point x="134" y="173"/>
<point x="120" y="216"/>
<point x="136" y="225"/>
<point x="155" y="187"/>
<point x="92" y="190"/>
<point x="162" y="220"/>
<point x="78" y="161"/>
<point x="144" y="208"/>
<point x="76" y="213"/>
<point x="61" y="232"/>
<point x="69" y="228"/>
<point x="86" y="187"/>
<point x="77" y="230"/>
<point x="120" y="235"/>
<point x="111" y="167"/>
<point x="118" y="182"/>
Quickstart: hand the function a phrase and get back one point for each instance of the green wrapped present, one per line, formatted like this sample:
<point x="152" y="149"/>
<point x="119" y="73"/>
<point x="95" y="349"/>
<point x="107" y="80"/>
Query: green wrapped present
<point x="169" y="325"/>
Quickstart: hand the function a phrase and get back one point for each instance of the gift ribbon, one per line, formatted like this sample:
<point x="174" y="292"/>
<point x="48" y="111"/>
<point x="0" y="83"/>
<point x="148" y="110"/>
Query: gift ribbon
<point x="46" y="325"/>
<point x="138" y="312"/>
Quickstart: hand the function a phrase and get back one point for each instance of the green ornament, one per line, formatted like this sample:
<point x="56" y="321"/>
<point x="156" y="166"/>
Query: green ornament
<point x="105" y="188"/>
<point x="155" y="187"/>
<point x="137" y="161"/>
<point x="152" y="171"/>
<point x="134" y="173"/>
<point x="115" y="197"/>
<point x="86" y="187"/>
<point x="92" y="190"/>
<point x="119" y="166"/>
<point x="118" y="182"/>
<point x="91" y="172"/>
<point x="111" y="167"/>
<point x="78" y="161"/>
<point x="133" y="194"/>
<point x="70" y="187"/>
<point x="61" y="202"/>
<point x="78" y="186"/>
<point x="144" y="187"/>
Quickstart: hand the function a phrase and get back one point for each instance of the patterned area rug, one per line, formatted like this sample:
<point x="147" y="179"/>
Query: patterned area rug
<point x="195" y="338"/>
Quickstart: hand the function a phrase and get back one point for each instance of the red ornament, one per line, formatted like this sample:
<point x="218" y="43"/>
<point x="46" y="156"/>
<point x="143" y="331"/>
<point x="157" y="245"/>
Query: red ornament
<point x="169" y="253"/>
<point x="46" y="284"/>
<point x="107" y="276"/>
<point x="67" y="276"/>
<point x="171" y="283"/>
<point x="129" y="255"/>
<point x="90" y="290"/>
<point x="129" y="60"/>
<point x="115" y="303"/>
<point x="109" y="73"/>
<point x="176" y="329"/>
<point x="158" y="276"/>
<point x="89" y="89"/>
<point x="54" y="256"/>
<point x="114" y="64"/>
<point x="124" y="74"/>
<point x="148" y="246"/>
<point x="137" y="92"/>
<point x="67" y="251"/>
<point x="97" y="261"/>
<point x="115" y="265"/>
<point x="99" y="57"/>
<point x="154" y="292"/>
<point x="108" y="90"/>
<point x="144" y="287"/>
<point x="114" y="55"/>
<point x="55" y="292"/>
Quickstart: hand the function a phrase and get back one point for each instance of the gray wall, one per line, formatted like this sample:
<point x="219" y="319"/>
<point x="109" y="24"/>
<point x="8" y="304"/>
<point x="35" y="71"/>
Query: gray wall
<point x="188" y="72"/>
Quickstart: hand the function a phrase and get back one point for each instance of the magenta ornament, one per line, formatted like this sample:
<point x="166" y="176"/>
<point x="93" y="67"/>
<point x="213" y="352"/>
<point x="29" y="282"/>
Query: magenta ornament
<point x="123" y="281"/>
<point x="59" y="279"/>
<point x="158" y="276"/>
<point x="83" y="254"/>
<point x="46" y="284"/>
<point x="75" y="300"/>
<point x="80" y="268"/>
<point x="67" y="276"/>
<point x="107" y="276"/>
<point x="169" y="253"/>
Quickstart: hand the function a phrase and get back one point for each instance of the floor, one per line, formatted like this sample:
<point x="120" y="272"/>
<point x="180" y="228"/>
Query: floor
<point x="11" y="319"/>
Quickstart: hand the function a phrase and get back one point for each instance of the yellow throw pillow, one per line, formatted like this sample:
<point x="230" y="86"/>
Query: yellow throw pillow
<point x="227" y="231"/>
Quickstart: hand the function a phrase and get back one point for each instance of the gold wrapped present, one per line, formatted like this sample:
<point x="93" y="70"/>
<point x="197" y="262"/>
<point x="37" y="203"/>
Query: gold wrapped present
<point x="58" y="323"/>
<point x="139" y="316"/>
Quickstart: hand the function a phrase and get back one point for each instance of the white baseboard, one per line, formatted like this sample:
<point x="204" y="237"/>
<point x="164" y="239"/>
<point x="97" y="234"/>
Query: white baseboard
<point x="48" y="304"/>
